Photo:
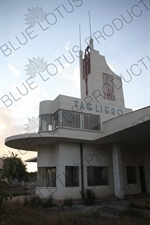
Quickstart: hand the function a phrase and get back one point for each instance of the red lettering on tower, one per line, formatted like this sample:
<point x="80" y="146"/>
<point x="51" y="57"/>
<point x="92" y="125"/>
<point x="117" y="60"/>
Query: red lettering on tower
<point x="108" y="88"/>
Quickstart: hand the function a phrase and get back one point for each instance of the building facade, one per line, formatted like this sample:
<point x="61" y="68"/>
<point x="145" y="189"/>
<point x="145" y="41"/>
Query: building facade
<point x="92" y="141"/>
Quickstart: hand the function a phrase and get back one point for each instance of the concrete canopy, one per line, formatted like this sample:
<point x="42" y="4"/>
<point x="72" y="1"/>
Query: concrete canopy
<point x="129" y="129"/>
<point x="34" y="159"/>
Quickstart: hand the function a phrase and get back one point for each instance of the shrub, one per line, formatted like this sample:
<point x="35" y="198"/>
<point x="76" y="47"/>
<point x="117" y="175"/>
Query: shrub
<point x="147" y="201"/>
<point x="144" y="205"/>
<point x="68" y="201"/>
<point x="132" y="205"/>
<point x="4" y="191"/>
<point x="36" y="201"/>
<point x="48" y="202"/>
<point x="131" y="212"/>
<point x="88" y="196"/>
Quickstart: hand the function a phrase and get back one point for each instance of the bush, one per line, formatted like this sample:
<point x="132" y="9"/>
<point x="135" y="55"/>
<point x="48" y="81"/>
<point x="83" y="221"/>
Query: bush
<point x="88" y="196"/>
<point x="36" y="201"/>
<point x="48" y="202"/>
<point x="68" y="201"/>
<point x="144" y="205"/>
<point x="4" y="191"/>
<point x="131" y="212"/>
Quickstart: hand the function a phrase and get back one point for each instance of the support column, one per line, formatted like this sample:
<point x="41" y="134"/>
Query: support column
<point x="118" y="174"/>
<point x="147" y="168"/>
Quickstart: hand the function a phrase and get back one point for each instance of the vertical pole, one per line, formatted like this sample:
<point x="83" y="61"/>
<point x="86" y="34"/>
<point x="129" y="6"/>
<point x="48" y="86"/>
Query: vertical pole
<point x="80" y="36"/>
<point x="82" y="169"/>
<point x="90" y="25"/>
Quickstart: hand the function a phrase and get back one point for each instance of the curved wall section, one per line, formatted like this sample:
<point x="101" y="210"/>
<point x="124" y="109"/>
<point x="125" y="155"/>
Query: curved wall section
<point x="45" y="107"/>
<point x="45" y="122"/>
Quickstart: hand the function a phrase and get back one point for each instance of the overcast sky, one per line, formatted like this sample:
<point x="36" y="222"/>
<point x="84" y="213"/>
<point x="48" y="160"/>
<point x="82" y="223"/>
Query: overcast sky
<point x="47" y="32"/>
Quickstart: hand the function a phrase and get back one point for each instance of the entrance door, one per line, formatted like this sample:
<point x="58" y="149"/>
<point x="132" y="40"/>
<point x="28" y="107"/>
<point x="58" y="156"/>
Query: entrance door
<point x="142" y="178"/>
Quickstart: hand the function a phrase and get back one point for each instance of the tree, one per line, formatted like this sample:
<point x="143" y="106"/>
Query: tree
<point x="4" y="191"/>
<point x="13" y="167"/>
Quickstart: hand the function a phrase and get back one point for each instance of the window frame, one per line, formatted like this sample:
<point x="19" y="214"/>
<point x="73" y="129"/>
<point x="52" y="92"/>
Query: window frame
<point x="44" y="173"/>
<point x="131" y="174"/>
<point x="74" y="182"/>
<point x="95" y="172"/>
<point x="69" y="119"/>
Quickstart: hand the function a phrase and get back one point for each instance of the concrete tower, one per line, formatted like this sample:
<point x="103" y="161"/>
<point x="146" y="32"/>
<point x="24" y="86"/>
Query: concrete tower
<point x="97" y="81"/>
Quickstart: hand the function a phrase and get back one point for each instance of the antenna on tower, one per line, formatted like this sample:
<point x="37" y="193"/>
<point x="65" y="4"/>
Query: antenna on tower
<point x="90" y="25"/>
<point x="91" y="40"/>
<point x="80" y="36"/>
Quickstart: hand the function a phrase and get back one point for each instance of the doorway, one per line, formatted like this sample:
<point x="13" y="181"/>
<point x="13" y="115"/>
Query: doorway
<point x="142" y="179"/>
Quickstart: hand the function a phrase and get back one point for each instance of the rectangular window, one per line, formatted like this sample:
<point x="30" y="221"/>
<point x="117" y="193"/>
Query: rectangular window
<point x="70" y="118"/>
<point x="57" y="121"/>
<point x="45" y="123"/>
<point x="67" y="118"/>
<point x="131" y="174"/>
<point x="91" y="122"/>
<point x="72" y="176"/>
<point x="97" y="175"/>
<point x="46" y="177"/>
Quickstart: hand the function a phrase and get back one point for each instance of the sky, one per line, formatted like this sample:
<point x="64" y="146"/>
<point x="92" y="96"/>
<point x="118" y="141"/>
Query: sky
<point x="47" y="33"/>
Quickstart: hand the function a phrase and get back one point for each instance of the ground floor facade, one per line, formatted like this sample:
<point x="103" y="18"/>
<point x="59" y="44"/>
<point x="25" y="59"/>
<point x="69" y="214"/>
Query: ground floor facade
<point x="65" y="169"/>
<point x="112" y="160"/>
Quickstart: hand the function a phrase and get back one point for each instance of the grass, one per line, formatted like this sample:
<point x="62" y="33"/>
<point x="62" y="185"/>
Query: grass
<point x="131" y="212"/>
<point x="145" y="205"/>
<point x="17" y="214"/>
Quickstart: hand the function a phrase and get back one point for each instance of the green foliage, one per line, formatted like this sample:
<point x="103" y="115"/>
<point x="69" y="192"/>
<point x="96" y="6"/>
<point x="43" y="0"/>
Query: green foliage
<point x="36" y="201"/>
<point x="19" y="214"/>
<point x="4" y="194"/>
<point x="13" y="167"/>
<point x="31" y="177"/>
<point x="33" y="200"/>
<point x="4" y="191"/>
<point x="147" y="217"/>
<point x="144" y="205"/>
<point x="88" y="196"/>
<point x="68" y="201"/>
<point x="131" y="212"/>
<point x="48" y="203"/>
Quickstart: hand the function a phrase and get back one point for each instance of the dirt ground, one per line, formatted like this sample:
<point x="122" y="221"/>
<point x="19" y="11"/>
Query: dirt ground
<point x="109" y="205"/>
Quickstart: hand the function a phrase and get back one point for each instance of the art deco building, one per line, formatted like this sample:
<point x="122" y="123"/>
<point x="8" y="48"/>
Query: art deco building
<point x="92" y="141"/>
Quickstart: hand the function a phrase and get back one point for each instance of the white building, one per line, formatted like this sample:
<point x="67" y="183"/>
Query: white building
<point x="91" y="142"/>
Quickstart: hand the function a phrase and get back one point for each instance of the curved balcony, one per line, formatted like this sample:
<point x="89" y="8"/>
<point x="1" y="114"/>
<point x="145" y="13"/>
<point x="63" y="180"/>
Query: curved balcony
<point x="69" y="119"/>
